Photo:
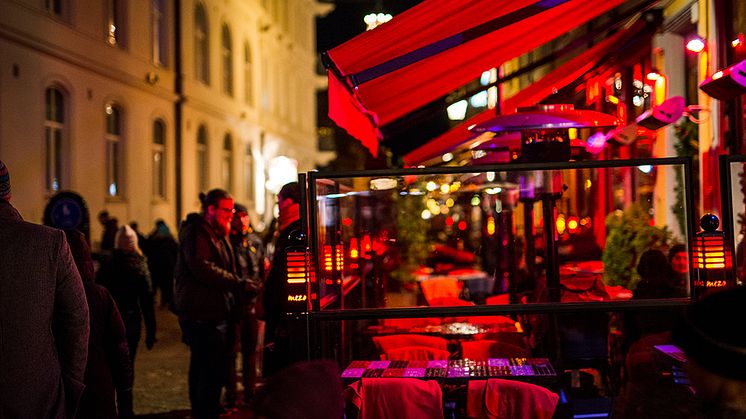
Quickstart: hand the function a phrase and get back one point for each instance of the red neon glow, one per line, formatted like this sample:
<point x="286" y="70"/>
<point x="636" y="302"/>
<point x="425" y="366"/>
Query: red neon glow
<point x="572" y="224"/>
<point x="462" y="225"/>
<point x="347" y="221"/>
<point x="449" y="221"/>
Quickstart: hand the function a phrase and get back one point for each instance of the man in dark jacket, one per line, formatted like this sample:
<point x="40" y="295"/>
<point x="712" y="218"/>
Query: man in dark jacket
<point x="204" y="299"/>
<point x="43" y="318"/>
<point x="276" y="351"/>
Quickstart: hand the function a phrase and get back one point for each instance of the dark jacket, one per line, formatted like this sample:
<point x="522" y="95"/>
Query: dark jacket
<point x="43" y="321"/>
<point x="127" y="278"/>
<point x="275" y="288"/>
<point x="205" y="273"/>
<point x="108" y="368"/>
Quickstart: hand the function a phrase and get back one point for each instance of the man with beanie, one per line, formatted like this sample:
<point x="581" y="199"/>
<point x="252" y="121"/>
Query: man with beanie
<point x="43" y="318"/>
<point x="276" y="350"/>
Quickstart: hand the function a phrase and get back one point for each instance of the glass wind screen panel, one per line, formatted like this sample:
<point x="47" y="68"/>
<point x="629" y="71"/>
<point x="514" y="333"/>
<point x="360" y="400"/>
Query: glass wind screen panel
<point x="482" y="237"/>
<point x="738" y="200"/>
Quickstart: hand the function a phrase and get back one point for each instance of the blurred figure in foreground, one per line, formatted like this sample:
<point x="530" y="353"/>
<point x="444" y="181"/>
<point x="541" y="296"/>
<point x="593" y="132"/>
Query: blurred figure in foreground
<point x="715" y="346"/>
<point x="306" y="390"/>
<point x="127" y="278"/>
<point x="108" y="371"/>
<point x="44" y="318"/>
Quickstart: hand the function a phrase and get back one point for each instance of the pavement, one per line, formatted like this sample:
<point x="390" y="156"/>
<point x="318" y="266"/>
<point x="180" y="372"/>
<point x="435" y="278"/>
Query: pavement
<point x="161" y="389"/>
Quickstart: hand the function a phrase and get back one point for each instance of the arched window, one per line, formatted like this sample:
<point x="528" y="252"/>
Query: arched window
<point x="55" y="133"/>
<point x="159" y="159"/>
<point x="159" y="32"/>
<point x="248" y="87"/>
<point x="202" y="158"/>
<point x="115" y="18"/>
<point x="201" y="45"/>
<point x="227" y="162"/>
<point x="114" y="150"/>
<point x="226" y="52"/>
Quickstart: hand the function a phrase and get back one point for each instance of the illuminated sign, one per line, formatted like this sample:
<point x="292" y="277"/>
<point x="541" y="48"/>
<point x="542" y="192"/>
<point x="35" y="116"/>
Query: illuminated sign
<point x="297" y="298"/>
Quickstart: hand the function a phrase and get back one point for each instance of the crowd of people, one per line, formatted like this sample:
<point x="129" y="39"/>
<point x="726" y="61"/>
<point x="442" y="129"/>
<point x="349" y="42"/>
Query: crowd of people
<point x="69" y="334"/>
<point x="73" y="354"/>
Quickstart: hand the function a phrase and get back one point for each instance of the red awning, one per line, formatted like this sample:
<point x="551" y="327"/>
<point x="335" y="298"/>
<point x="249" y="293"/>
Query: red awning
<point x="540" y="90"/>
<point x="440" y="31"/>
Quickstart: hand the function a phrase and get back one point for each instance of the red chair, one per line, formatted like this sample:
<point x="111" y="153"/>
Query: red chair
<point x="385" y="344"/>
<point x="444" y="287"/>
<point x="416" y="353"/>
<point x="409" y="398"/>
<point x="481" y="350"/>
<point x="496" y="398"/>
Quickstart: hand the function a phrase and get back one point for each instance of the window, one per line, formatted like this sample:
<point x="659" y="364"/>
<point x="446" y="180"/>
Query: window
<point x="248" y="166"/>
<point x="201" y="46"/>
<point x="202" y="158"/>
<point x="227" y="162"/>
<point x="247" y="80"/>
<point x="226" y="53"/>
<point x="113" y="151"/>
<point x="54" y="7"/>
<point x="54" y="132"/>
<point x="115" y="22"/>
<point x="159" y="33"/>
<point x="159" y="159"/>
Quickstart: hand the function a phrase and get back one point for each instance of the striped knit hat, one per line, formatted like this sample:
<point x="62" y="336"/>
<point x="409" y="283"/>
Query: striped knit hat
<point x="4" y="182"/>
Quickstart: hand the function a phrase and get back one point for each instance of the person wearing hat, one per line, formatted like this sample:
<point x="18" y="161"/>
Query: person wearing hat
<point x="44" y="324"/>
<point x="127" y="278"/>
<point x="714" y="342"/>
<point x="277" y="353"/>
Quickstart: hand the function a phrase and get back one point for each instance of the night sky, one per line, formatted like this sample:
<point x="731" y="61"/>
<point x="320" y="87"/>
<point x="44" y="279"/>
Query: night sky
<point x="346" y="20"/>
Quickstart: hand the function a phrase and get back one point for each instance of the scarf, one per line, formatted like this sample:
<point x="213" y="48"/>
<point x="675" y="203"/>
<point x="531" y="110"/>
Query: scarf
<point x="289" y="213"/>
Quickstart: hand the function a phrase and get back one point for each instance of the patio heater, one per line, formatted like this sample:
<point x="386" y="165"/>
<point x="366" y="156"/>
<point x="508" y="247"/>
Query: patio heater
<point x="711" y="258"/>
<point x="545" y="137"/>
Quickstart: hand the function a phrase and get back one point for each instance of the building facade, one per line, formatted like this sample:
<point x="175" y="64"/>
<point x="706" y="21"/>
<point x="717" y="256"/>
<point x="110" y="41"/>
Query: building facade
<point x="139" y="105"/>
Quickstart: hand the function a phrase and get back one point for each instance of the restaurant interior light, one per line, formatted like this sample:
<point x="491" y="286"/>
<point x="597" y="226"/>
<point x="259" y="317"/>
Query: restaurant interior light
<point x="653" y="75"/>
<point x="457" y="110"/>
<point x="695" y="44"/>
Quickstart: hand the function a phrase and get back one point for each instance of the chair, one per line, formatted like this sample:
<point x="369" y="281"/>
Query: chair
<point x="386" y="343"/>
<point x="481" y="350"/>
<point x="444" y="287"/>
<point x="416" y="353"/>
<point x="497" y="398"/>
<point x="378" y="398"/>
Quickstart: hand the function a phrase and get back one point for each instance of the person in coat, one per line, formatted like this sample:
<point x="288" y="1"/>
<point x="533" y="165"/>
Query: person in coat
<point x="276" y="353"/>
<point x="249" y="253"/>
<point x="43" y="318"/>
<point x="108" y="372"/>
<point x="204" y="298"/>
<point x="162" y="251"/>
<point x="127" y="278"/>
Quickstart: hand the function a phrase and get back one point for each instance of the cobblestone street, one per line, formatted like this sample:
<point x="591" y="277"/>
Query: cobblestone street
<point x="161" y="374"/>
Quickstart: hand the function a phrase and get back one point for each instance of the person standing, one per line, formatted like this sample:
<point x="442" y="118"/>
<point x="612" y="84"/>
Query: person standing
<point x="43" y="318"/>
<point x="127" y="278"/>
<point x="206" y="281"/>
<point x="249" y="255"/>
<point x="276" y="340"/>
<point x="108" y="372"/>
<point x="162" y="251"/>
